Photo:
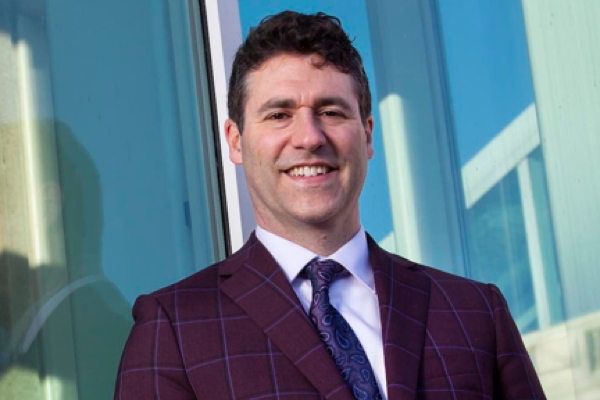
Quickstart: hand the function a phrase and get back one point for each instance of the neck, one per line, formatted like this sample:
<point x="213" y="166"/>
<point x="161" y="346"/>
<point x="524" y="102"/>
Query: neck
<point x="323" y="241"/>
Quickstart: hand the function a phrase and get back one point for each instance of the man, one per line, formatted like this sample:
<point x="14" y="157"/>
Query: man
<point x="311" y="307"/>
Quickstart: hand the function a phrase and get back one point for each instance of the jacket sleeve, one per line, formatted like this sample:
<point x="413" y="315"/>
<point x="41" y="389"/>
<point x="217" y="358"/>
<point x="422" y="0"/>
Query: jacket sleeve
<point x="515" y="375"/>
<point x="151" y="365"/>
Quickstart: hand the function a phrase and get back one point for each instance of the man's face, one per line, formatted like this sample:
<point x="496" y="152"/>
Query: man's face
<point x="304" y="147"/>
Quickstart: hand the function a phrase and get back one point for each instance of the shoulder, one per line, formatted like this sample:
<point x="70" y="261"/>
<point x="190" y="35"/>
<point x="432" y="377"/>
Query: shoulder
<point x="445" y="289"/>
<point x="199" y="288"/>
<point x="450" y="291"/>
<point x="195" y="294"/>
<point x="398" y="263"/>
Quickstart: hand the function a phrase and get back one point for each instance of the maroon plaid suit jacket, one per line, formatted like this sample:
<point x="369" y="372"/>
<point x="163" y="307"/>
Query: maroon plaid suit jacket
<point x="236" y="330"/>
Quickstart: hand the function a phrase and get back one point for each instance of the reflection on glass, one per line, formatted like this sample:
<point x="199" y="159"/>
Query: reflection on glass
<point x="497" y="135"/>
<point x="103" y="150"/>
<point x="64" y="322"/>
<point x="498" y="248"/>
<point x="515" y="222"/>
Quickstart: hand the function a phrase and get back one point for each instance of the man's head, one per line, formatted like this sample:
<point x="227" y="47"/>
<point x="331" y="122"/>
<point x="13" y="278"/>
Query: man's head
<point x="303" y="100"/>
<point x="290" y="32"/>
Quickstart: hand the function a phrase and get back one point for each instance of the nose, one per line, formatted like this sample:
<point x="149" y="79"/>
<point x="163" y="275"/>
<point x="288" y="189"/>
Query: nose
<point x="308" y="132"/>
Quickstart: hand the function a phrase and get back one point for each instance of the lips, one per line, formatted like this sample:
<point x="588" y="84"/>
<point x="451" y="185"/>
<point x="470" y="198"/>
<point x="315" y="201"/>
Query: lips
<point x="308" y="170"/>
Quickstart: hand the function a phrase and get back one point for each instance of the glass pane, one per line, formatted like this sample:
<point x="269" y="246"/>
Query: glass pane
<point x="564" y="48"/>
<point x="107" y="183"/>
<point x="496" y="135"/>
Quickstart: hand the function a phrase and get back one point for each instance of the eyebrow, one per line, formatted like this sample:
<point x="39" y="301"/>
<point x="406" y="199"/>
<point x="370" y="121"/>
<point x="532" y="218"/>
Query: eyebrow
<point x="333" y="101"/>
<point x="276" y="103"/>
<point x="319" y="103"/>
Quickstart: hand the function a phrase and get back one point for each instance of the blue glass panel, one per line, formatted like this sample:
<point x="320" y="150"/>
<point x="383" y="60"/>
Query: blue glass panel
<point x="108" y="174"/>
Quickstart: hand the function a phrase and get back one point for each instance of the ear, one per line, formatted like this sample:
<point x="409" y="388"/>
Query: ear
<point x="234" y="140"/>
<point x="369" y="133"/>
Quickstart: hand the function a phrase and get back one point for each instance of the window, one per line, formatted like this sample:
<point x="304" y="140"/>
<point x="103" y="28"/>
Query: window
<point x="108" y="183"/>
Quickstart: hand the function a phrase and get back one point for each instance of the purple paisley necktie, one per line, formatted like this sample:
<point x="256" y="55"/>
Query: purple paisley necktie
<point x="339" y="338"/>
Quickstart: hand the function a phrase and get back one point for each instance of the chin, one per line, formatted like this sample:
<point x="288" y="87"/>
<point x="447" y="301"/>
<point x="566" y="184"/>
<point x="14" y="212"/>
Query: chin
<point x="322" y="220"/>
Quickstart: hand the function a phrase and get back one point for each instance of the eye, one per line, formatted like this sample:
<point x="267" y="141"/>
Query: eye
<point x="277" y="116"/>
<point x="332" y="113"/>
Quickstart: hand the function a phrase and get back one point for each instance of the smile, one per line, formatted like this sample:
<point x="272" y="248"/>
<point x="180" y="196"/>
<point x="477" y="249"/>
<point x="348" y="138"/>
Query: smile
<point x="307" y="171"/>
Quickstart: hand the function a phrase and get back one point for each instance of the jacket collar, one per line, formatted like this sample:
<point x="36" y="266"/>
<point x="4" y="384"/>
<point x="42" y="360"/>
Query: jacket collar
<point x="253" y="279"/>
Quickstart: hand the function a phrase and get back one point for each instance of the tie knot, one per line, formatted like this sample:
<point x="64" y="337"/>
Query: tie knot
<point x="322" y="273"/>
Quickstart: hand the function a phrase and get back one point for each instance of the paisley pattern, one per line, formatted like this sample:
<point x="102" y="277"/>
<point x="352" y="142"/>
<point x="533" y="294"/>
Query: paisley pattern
<point x="339" y="338"/>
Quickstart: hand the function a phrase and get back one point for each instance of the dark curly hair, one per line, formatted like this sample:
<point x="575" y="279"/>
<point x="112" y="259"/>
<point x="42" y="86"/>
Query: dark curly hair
<point x="296" y="33"/>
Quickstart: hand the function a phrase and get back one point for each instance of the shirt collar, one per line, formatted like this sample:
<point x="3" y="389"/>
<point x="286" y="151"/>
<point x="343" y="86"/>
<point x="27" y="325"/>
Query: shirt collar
<point x="354" y="255"/>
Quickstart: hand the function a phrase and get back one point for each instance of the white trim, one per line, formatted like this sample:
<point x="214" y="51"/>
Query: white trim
<point x="500" y="156"/>
<point x="534" y="244"/>
<point x="34" y="180"/>
<point x="225" y="36"/>
<point x="405" y="215"/>
<point x="416" y="131"/>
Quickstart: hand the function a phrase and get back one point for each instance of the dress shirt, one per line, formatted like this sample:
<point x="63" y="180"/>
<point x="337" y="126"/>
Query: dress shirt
<point x="354" y="297"/>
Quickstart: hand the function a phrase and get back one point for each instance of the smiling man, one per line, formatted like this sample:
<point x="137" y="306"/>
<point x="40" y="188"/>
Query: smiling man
<point x="311" y="307"/>
<point x="304" y="148"/>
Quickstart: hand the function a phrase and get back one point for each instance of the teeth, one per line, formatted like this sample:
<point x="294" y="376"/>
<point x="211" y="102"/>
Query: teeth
<point x="308" y="171"/>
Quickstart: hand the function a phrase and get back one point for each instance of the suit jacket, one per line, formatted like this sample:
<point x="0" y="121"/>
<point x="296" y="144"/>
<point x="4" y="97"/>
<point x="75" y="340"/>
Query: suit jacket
<point x="236" y="330"/>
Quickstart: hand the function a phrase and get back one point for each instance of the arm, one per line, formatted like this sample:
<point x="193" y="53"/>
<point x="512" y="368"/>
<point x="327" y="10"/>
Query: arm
<point x="151" y="365"/>
<point x="515" y="375"/>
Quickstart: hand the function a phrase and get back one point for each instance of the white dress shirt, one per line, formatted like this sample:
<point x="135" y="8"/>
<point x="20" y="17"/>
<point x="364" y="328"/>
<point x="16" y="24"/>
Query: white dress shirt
<point x="354" y="297"/>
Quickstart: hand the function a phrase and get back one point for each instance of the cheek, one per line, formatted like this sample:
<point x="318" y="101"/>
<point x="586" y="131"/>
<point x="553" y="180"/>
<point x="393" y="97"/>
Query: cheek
<point x="250" y="152"/>
<point x="269" y="152"/>
<point x="259" y="160"/>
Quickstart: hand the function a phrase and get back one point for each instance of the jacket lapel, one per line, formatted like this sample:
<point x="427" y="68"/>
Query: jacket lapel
<point x="253" y="280"/>
<point x="403" y="295"/>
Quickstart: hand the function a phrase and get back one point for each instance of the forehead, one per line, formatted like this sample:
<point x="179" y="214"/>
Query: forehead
<point x="298" y="77"/>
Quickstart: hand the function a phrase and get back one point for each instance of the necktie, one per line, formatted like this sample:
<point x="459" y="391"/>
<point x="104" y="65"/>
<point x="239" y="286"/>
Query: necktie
<point x="339" y="338"/>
